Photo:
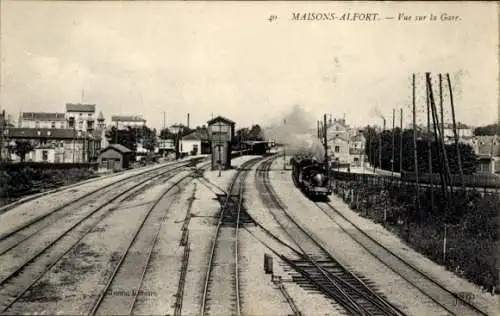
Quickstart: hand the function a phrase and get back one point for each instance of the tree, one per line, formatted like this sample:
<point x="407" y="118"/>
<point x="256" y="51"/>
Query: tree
<point x="145" y="136"/>
<point x="22" y="148"/>
<point x="372" y="149"/>
<point x="255" y="133"/>
<point x="166" y="134"/>
<point x="487" y="130"/>
<point x="126" y="137"/>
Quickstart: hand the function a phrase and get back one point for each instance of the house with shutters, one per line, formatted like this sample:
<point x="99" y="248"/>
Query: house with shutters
<point x="124" y="121"/>
<point x="346" y="145"/>
<point x="81" y="116"/>
<point x="49" y="145"/>
<point x="41" y="120"/>
<point x="487" y="149"/>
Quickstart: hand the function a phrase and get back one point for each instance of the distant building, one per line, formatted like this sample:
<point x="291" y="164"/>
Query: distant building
<point x="463" y="132"/>
<point x="487" y="149"/>
<point x="80" y="116"/>
<point x="51" y="145"/>
<point x="41" y="120"/>
<point x="192" y="143"/>
<point x="346" y="145"/>
<point x="357" y="150"/>
<point x="115" y="157"/>
<point x="124" y="121"/>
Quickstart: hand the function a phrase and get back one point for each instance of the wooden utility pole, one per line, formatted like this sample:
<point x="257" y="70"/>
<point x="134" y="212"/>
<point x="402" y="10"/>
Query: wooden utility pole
<point x="318" y="130"/>
<point x="415" y="157"/>
<point x="325" y="142"/>
<point x="401" y="141"/>
<point x="393" y="149"/>
<point x="445" y="155"/>
<point x="429" y="142"/>
<point x="380" y="148"/>
<point x="284" y="148"/>
<point x="2" y="129"/>
<point x="373" y="149"/>
<point x="437" y="131"/>
<point x="459" y="159"/>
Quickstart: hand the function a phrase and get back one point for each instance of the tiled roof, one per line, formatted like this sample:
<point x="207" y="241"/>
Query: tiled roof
<point x="196" y="135"/>
<point x="79" y="107"/>
<point x="127" y="118"/>
<point x="220" y="119"/>
<point x="43" y="116"/>
<point x="52" y="133"/>
<point x="118" y="147"/>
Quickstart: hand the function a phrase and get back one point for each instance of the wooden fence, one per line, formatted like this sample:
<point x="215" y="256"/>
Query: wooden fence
<point x="486" y="181"/>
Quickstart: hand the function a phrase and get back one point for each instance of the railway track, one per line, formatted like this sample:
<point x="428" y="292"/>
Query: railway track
<point x="133" y="264"/>
<point x="451" y="302"/>
<point x="12" y="238"/>
<point x="222" y="278"/>
<point x="27" y="267"/>
<point x="316" y="267"/>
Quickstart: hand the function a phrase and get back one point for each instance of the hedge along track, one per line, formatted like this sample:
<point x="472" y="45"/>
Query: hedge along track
<point x="19" y="234"/>
<point x="320" y="268"/>
<point x="230" y="215"/>
<point x="120" y="305"/>
<point x="450" y="301"/>
<point x="21" y="278"/>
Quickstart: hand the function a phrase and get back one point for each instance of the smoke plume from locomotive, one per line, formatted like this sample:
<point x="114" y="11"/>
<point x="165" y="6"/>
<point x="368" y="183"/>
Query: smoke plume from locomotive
<point x="297" y="131"/>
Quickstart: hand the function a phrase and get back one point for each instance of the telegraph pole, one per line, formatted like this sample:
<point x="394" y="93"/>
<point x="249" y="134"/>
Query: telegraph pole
<point x="437" y="132"/>
<point x="2" y="129"/>
<point x="459" y="159"/>
<point x="401" y="141"/>
<point x="429" y="143"/>
<point x="445" y="155"/>
<point x="415" y="157"/>
<point x="380" y="147"/>
<point x="284" y="147"/>
<point x="325" y="143"/>
<point x="393" y="124"/>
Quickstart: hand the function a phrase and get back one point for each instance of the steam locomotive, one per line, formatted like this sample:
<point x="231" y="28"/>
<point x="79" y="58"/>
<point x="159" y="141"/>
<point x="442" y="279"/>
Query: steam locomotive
<point x="310" y="176"/>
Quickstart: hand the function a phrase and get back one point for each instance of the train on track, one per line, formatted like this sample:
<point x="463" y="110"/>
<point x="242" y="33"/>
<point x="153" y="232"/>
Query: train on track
<point x="311" y="176"/>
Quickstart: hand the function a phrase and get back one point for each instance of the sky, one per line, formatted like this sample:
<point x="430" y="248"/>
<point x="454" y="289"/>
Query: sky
<point x="229" y="59"/>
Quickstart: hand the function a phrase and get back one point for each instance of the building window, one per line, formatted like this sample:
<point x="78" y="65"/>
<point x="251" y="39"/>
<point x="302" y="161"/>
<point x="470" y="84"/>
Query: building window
<point x="37" y="124"/>
<point x="71" y="122"/>
<point x="337" y="149"/>
<point x="62" y="125"/>
<point x="356" y="159"/>
<point x="45" y="155"/>
<point x="53" y="124"/>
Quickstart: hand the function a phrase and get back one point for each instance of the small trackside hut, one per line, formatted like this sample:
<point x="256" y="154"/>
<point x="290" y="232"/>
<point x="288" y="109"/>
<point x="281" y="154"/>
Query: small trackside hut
<point x="115" y="157"/>
<point x="221" y="132"/>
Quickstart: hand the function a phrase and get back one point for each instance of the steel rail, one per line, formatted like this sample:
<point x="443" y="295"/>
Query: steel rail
<point x="411" y="266"/>
<point x="83" y="197"/>
<point x="125" y="193"/>
<point x="375" y="299"/>
<point x="216" y="237"/>
<point x="240" y="202"/>
<point x="101" y="296"/>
